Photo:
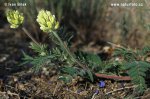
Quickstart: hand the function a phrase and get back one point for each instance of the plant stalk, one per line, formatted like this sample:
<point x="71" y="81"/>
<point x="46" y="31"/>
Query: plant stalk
<point x="63" y="45"/>
<point x="29" y="35"/>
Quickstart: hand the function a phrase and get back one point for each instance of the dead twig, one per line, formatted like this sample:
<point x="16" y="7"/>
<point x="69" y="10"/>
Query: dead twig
<point x="10" y="93"/>
<point x="57" y="85"/>
<point x="120" y="89"/>
<point x="114" y="77"/>
<point x="115" y="45"/>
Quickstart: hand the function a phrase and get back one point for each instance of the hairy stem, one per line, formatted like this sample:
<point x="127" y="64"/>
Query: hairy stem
<point x="29" y="35"/>
<point x="64" y="46"/>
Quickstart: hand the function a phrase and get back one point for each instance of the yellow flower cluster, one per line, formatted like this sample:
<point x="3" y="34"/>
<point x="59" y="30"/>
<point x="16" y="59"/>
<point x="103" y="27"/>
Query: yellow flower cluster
<point x="15" y="18"/>
<point x="47" y="21"/>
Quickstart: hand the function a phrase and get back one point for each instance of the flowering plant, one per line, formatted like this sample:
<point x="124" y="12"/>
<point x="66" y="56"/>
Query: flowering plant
<point x="61" y="52"/>
<point x="89" y="63"/>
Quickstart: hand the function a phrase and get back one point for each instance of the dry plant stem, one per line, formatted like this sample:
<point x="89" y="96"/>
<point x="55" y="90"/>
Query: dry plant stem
<point x="114" y="77"/>
<point x="29" y="35"/>
<point x="57" y="85"/>
<point x="93" y="97"/>
<point x="63" y="45"/>
<point x="120" y="89"/>
<point x="9" y="93"/>
<point x="115" y="45"/>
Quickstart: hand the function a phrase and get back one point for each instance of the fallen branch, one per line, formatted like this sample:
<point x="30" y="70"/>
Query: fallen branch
<point x="113" y="77"/>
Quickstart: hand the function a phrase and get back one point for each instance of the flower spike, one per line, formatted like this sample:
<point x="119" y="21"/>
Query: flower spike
<point x="47" y="21"/>
<point x="15" y="18"/>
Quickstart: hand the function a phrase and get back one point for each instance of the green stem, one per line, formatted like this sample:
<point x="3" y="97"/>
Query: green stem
<point x="63" y="45"/>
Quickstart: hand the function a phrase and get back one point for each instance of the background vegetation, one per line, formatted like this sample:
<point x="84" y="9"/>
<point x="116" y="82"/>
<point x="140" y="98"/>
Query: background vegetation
<point x="94" y="20"/>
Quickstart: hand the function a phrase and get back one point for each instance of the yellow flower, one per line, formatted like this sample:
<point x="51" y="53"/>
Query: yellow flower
<point x="47" y="21"/>
<point x="15" y="18"/>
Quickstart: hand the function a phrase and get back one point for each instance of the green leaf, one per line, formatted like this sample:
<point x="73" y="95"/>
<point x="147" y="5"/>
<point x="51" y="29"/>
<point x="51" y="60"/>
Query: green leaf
<point x="41" y="49"/>
<point x="146" y="49"/>
<point x="136" y="71"/>
<point x="65" y="79"/>
<point x="82" y="72"/>
<point x="26" y="57"/>
<point x="127" y="54"/>
<point x="70" y="70"/>
<point x="93" y="59"/>
<point x="90" y="75"/>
